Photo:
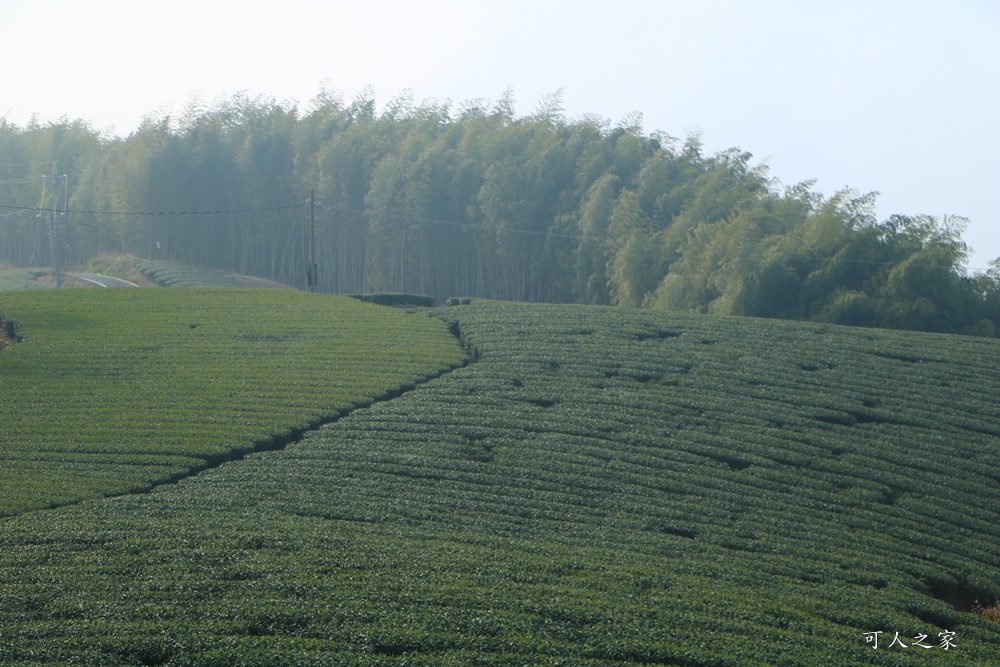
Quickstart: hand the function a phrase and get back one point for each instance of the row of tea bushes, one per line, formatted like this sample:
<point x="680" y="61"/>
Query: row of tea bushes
<point x="112" y="391"/>
<point x="599" y="489"/>
<point x="172" y="274"/>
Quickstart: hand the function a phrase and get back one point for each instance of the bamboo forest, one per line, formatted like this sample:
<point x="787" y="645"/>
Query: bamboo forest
<point x="474" y="200"/>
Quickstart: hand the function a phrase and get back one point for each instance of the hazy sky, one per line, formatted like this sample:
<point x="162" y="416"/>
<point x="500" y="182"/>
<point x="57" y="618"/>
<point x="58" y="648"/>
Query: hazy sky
<point x="898" y="96"/>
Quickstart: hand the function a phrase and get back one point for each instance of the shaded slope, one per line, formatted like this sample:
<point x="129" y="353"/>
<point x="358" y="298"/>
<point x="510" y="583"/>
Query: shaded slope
<point x="604" y="487"/>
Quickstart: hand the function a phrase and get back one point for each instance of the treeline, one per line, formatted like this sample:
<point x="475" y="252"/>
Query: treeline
<point x="476" y="201"/>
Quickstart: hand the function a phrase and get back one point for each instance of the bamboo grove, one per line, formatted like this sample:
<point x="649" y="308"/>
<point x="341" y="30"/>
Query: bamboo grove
<point x="474" y="200"/>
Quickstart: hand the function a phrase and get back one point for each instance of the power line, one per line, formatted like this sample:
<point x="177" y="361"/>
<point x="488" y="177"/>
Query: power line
<point x="512" y="230"/>
<point x="647" y="245"/>
<point x="215" y="212"/>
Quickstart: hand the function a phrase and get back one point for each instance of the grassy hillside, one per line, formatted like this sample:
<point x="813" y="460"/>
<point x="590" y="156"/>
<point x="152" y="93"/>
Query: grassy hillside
<point x="112" y="391"/>
<point x="20" y="279"/>
<point x="603" y="487"/>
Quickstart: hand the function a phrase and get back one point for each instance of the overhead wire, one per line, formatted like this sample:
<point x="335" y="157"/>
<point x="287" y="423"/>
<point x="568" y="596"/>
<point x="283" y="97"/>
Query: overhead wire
<point x="137" y="213"/>
<point x="470" y="225"/>
<point x="647" y="245"/>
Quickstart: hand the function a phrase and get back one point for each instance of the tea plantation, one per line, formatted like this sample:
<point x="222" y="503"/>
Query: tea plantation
<point x="603" y="487"/>
<point x="113" y="391"/>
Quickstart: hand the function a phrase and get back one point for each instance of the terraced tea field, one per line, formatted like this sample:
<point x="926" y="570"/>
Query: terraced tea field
<point x="115" y="391"/>
<point x="603" y="487"/>
<point x="174" y="274"/>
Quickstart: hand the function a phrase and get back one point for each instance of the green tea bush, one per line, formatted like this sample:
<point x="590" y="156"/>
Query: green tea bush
<point x="116" y="391"/>
<point x="19" y="279"/>
<point x="551" y="504"/>
<point x="172" y="274"/>
<point x="395" y="299"/>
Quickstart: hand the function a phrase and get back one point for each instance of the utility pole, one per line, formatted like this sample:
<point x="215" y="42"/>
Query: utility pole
<point x="402" y="257"/>
<point x="53" y="234"/>
<point x="311" y="268"/>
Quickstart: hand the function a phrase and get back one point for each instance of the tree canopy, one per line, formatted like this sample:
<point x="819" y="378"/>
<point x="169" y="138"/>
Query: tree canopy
<point x="475" y="201"/>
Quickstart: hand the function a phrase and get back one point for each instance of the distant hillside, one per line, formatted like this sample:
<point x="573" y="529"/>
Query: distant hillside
<point x="601" y="487"/>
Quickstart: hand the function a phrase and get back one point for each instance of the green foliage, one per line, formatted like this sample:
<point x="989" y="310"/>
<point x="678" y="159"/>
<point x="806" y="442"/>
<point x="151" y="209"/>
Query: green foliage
<point x="175" y="274"/>
<point x="604" y="487"/>
<point x="591" y="259"/>
<point x="396" y="299"/>
<point x="432" y="200"/>
<point x="114" y="391"/>
<point x="632" y="268"/>
<point x="19" y="279"/>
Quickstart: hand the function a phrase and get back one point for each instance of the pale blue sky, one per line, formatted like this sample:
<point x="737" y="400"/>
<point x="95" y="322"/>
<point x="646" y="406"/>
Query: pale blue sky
<point x="899" y="96"/>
